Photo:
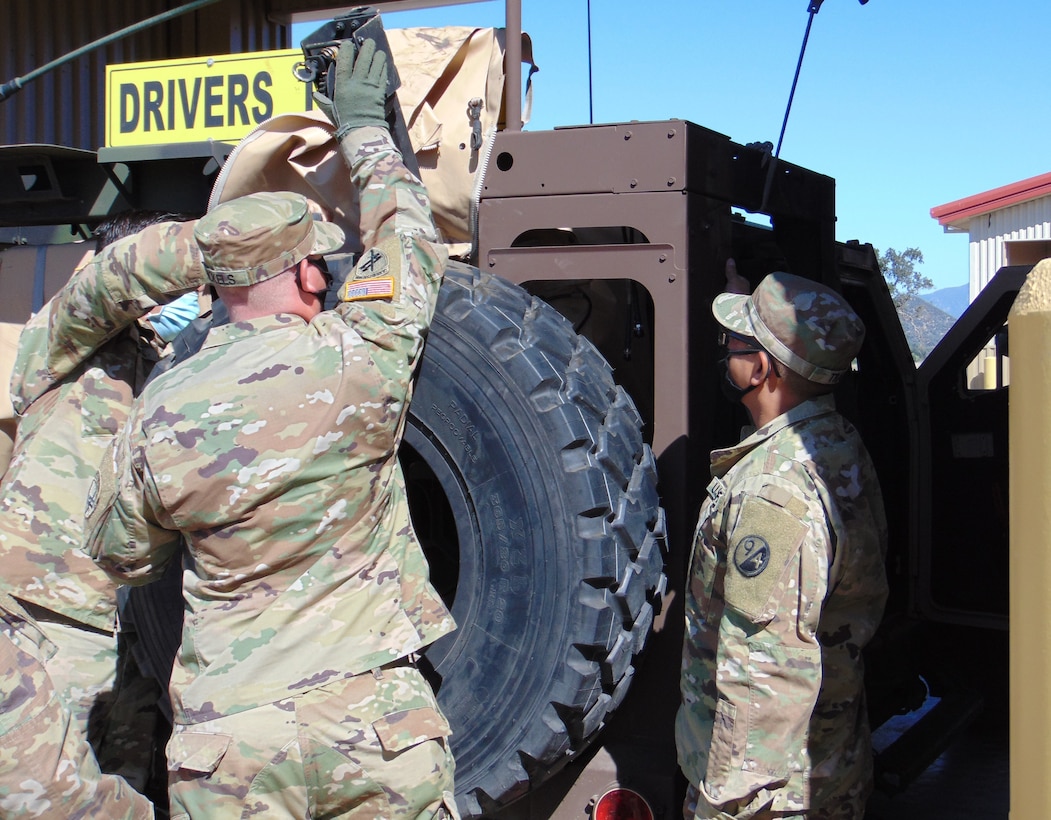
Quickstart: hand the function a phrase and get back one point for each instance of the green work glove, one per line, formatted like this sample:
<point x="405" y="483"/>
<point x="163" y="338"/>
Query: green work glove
<point x="361" y="89"/>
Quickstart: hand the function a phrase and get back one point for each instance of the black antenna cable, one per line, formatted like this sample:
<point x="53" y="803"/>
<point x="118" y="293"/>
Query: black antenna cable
<point x="591" y="86"/>
<point x="813" y="8"/>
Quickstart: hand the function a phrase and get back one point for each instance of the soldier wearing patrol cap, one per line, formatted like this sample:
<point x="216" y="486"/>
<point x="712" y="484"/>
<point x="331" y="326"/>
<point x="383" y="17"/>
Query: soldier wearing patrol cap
<point x="786" y="582"/>
<point x="272" y="453"/>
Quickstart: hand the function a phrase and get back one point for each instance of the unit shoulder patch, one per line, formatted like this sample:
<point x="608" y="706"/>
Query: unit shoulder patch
<point x="377" y="274"/>
<point x="751" y="555"/>
<point x="92" y="500"/>
<point x="765" y="541"/>
<point x="373" y="263"/>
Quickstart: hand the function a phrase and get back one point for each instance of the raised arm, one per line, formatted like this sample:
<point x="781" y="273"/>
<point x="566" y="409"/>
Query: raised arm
<point x="120" y="285"/>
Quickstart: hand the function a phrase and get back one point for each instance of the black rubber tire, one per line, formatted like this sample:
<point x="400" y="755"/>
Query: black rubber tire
<point x="553" y="523"/>
<point x="535" y="499"/>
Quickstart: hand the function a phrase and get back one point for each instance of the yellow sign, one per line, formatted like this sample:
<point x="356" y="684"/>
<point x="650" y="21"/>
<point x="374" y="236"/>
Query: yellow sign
<point x="200" y="98"/>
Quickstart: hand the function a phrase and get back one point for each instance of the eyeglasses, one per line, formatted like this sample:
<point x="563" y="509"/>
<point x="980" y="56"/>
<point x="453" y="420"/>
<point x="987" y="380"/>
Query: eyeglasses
<point x="322" y="266"/>
<point x="320" y="263"/>
<point x="724" y="342"/>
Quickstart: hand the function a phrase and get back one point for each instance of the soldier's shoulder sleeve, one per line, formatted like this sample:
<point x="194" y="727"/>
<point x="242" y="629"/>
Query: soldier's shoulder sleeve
<point x="30" y="377"/>
<point x="403" y="261"/>
<point x="771" y="522"/>
<point x="120" y="284"/>
<point x="123" y="530"/>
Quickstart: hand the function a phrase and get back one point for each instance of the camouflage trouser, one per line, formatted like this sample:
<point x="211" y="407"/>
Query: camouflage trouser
<point x="839" y="798"/>
<point x="696" y="807"/>
<point x="127" y="745"/>
<point x="112" y="705"/>
<point x="83" y="670"/>
<point x="47" y="770"/>
<point x="372" y="746"/>
<point x="838" y="805"/>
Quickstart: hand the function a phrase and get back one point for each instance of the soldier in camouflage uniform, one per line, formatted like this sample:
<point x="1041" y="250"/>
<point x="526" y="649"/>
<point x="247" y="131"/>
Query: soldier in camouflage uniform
<point x="80" y="361"/>
<point x="786" y="583"/>
<point x="47" y="769"/>
<point x="273" y="452"/>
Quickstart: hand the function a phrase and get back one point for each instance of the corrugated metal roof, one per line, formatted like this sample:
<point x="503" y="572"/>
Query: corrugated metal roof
<point x="66" y="105"/>
<point x="957" y="213"/>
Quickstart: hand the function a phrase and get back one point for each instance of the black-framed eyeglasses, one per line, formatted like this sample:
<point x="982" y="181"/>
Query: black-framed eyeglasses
<point x="320" y="263"/>
<point x="724" y="342"/>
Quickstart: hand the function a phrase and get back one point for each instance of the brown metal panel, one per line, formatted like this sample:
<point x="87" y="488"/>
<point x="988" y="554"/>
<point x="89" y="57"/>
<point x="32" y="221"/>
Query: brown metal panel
<point x="678" y="259"/>
<point x="629" y="157"/>
<point x="668" y="155"/>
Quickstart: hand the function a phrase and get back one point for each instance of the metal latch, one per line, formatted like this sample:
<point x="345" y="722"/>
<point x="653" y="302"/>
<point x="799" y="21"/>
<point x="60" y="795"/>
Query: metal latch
<point x="474" y="114"/>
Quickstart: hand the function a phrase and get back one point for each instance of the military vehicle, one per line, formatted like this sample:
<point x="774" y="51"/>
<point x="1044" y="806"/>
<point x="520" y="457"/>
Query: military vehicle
<point x="557" y="449"/>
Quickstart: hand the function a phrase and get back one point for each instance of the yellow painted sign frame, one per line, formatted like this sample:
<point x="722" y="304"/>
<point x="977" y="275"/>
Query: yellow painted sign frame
<point x="200" y="98"/>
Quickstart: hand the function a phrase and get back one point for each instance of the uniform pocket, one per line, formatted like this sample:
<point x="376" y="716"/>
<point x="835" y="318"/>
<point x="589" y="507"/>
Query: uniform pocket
<point x="197" y="752"/>
<point x="403" y="730"/>
<point x="721" y="754"/>
<point x="783" y="684"/>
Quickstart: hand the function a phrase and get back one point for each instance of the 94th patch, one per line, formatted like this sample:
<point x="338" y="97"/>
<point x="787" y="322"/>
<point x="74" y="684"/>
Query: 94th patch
<point x="752" y="555"/>
<point x="772" y="537"/>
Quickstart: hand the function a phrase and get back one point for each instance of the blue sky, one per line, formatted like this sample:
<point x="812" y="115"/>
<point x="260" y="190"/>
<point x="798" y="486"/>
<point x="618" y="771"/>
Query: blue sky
<point x="908" y="104"/>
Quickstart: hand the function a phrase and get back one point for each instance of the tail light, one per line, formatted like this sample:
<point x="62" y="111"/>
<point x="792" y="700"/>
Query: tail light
<point x="622" y="804"/>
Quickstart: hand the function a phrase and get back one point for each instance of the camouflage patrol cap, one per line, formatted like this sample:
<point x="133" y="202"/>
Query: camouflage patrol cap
<point x="805" y="325"/>
<point x="255" y="237"/>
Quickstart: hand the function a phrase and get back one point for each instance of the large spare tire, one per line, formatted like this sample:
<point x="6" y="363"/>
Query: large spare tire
<point x="535" y="498"/>
<point x="559" y="537"/>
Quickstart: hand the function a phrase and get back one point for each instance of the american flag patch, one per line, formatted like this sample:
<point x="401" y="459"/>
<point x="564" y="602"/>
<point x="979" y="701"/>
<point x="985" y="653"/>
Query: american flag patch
<point x="382" y="287"/>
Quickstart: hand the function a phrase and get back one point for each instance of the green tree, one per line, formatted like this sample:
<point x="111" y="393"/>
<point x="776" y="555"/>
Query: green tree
<point x="899" y="269"/>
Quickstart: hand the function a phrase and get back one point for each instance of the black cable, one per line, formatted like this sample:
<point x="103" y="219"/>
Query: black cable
<point x="814" y="7"/>
<point x="591" y="87"/>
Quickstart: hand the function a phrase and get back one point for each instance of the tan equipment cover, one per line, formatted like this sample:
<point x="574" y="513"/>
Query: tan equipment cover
<point x="451" y="96"/>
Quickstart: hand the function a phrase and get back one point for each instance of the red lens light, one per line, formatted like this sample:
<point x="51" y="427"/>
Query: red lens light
<point x="622" y="804"/>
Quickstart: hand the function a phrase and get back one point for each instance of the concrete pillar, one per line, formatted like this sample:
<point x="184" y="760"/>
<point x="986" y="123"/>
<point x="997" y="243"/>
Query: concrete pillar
<point x="1030" y="550"/>
<point x="989" y="373"/>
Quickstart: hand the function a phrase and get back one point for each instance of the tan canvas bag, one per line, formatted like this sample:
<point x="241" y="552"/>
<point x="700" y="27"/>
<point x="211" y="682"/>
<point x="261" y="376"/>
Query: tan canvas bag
<point x="451" y="98"/>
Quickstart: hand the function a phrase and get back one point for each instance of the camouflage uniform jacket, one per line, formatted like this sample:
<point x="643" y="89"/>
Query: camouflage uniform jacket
<point x="78" y="366"/>
<point x="786" y="585"/>
<point x="274" y="452"/>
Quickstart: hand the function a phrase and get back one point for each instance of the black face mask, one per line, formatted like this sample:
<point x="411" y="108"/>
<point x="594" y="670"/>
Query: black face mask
<point x="730" y="390"/>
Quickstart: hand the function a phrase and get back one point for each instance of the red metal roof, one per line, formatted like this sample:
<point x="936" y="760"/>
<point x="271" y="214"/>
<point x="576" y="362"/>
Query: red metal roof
<point x="994" y="200"/>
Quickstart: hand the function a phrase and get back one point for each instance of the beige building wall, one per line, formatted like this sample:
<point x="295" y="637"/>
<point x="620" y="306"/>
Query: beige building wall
<point x="1007" y="226"/>
<point x="1016" y="235"/>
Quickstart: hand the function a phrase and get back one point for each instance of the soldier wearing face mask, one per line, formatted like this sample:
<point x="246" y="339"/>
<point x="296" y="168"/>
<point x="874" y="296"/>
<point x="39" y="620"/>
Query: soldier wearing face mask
<point x="80" y="361"/>
<point x="786" y="582"/>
